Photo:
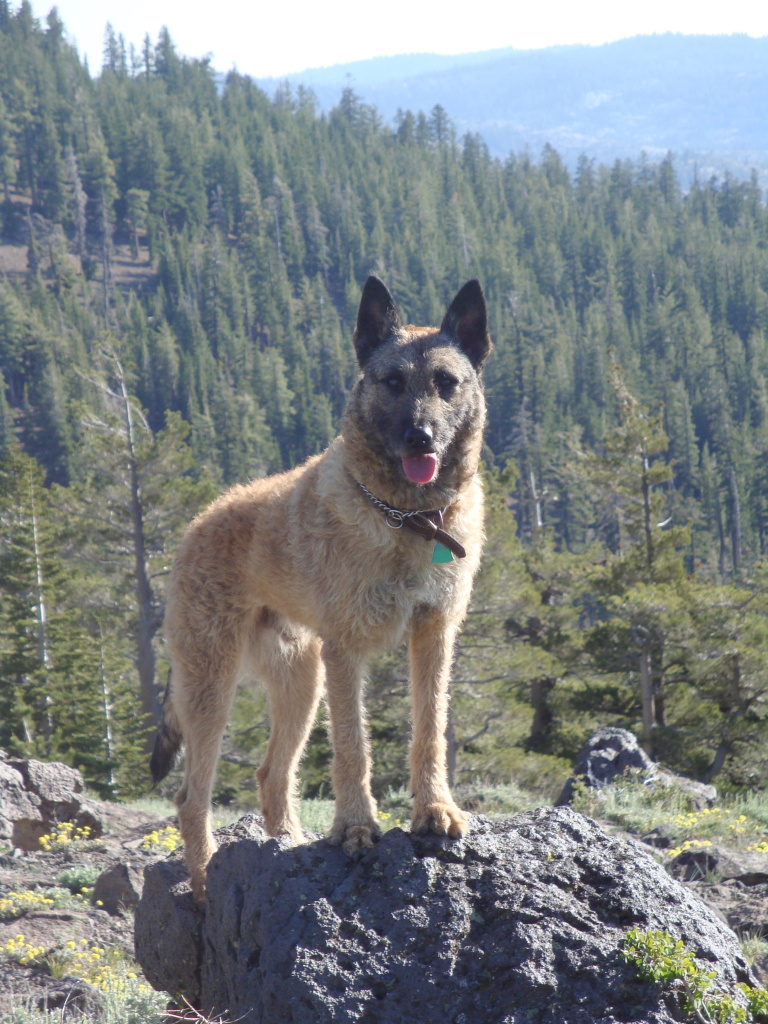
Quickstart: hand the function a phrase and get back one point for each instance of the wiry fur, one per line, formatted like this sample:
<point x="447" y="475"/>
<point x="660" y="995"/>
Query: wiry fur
<point x="297" y="579"/>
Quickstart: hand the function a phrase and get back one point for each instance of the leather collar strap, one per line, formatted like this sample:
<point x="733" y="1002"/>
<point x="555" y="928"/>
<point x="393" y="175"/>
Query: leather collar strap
<point x="428" y="523"/>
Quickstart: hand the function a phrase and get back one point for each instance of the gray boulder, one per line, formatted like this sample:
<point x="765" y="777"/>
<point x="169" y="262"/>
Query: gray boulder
<point x="521" y="921"/>
<point x="16" y="804"/>
<point x="610" y="752"/>
<point x="36" y="796"/>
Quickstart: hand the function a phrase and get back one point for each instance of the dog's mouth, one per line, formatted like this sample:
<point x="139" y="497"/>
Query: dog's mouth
<point x="421" y="469"/>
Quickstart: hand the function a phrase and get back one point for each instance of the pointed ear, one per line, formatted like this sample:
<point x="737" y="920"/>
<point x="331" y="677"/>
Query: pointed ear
<point x="376" y="319"/>
<point x="467" y="323"/>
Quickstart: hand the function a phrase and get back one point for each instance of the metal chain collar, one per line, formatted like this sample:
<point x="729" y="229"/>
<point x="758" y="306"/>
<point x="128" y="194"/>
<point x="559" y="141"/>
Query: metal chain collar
<point x="394" y="517"/>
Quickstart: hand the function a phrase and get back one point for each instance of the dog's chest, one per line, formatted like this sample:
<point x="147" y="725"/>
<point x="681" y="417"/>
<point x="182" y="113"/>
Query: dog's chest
<point x="390" y="599"/>
<point x="412" y="588"/>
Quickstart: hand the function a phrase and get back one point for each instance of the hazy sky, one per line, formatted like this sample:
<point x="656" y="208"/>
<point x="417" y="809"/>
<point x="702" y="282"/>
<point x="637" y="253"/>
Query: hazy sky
<point x="274" y="38"/>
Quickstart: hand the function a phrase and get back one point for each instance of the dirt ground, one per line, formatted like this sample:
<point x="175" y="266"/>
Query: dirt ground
<point x="124" y="832"/>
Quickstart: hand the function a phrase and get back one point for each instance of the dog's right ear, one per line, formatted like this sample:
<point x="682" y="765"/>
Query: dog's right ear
<point x="467" y="322"/>
<point x="376" y="319"/>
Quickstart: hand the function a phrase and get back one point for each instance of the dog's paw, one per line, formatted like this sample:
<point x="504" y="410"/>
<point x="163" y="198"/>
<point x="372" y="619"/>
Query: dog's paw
<point x="354" y="839"/>
<point x="295" y="834"/>
<point x="280" y="819"/>
<point x="286" y="827"/>
<point x="444" y="819"/>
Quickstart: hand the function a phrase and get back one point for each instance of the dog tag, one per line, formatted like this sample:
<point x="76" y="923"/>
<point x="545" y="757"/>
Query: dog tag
<point x="441" y="554"/>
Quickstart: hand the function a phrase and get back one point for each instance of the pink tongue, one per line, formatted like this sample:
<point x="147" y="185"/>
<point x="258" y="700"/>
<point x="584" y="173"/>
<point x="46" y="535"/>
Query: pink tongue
<point x="420" y="469"/>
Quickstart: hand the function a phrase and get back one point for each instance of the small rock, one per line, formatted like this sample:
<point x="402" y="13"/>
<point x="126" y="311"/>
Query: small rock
<point x="73" y="999"/>
<point x="748" y="867"/>
<point x="88" y="817"/>
<point x="118" y="888"/>
<point x="744" y="908"/>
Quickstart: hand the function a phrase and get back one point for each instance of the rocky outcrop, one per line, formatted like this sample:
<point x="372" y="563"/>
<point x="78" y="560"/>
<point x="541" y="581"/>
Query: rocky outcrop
<point x="610" y="752"/>
<point x="522" y="920"/>
<point x="36" y="796"/>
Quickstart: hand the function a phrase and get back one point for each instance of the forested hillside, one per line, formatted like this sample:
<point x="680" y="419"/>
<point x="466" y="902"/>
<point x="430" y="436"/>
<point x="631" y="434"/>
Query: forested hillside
<point x="700" y="96"/>
<point x="182" y="267"/>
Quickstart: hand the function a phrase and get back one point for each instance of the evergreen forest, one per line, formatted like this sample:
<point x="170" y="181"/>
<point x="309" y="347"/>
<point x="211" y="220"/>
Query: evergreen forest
<point x="181" y="261"/>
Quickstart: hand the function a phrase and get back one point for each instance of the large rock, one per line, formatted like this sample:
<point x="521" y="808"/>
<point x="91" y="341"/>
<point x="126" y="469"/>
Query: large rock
<point x="36" y="796"/>
<point x="16" y="804"/>
<point x="610" y="752"/>
<point x="522" y="921"/>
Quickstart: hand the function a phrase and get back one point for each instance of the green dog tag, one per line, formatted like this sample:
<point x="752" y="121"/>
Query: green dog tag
<point x="441" y="554"/>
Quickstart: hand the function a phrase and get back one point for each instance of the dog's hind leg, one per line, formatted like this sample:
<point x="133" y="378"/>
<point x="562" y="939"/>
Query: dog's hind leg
<point x="355" y="826"/>
<point x="431" y="655"/>
<point x="288" y="662"/>
<point x="202" y="701"/>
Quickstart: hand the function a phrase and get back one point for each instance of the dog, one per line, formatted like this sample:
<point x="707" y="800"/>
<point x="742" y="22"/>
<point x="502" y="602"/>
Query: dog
<point x="297" y="579"/>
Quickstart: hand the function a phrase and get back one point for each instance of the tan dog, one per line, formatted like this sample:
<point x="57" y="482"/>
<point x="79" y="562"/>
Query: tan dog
<point x="297" y="579"/>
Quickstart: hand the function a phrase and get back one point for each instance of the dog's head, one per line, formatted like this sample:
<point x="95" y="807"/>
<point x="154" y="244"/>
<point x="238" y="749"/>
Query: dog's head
<point x="416" y="416"/>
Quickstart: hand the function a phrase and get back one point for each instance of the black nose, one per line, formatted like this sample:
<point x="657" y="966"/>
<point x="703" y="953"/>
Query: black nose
<point x="419" y="439"/>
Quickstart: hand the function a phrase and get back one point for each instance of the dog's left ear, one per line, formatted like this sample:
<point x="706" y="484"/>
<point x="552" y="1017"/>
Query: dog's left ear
<point x="376" y="319"/>
<point x="467" y="322"/>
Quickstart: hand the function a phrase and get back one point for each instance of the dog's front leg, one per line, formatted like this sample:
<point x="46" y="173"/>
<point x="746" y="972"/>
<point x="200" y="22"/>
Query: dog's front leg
<point x="431" y="655"/>
<point x="354" y="826"/>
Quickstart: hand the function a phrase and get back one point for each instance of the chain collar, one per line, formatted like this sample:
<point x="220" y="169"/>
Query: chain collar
<point x="395" y="517"/>
<point x="427" y="523"/>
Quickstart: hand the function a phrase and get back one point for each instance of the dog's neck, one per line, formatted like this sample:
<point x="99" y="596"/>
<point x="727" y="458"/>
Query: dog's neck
<point x="427" y="523"/>
<point x="400" y="513"/>
<point x="384" y="478"/>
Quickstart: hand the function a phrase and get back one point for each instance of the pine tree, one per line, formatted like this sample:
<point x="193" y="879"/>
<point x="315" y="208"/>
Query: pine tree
<point x="132" y="498"/>
<point x="137" y="202"/>
<point x="43" y="650"/>
<point x="6" y="420"/>
<point x="639" y="581"/>
<point x="7" y="153"/>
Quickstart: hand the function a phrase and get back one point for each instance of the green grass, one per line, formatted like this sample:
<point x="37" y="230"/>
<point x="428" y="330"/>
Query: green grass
<point x="395" y="806"/>
<point x="316" y="815"/>
<point x="153" y="805"/>
<point x="126" y="997"/>
<point x="485" y="798"/>
<point x="753" y="946"/>
<point x="740" y="822"/>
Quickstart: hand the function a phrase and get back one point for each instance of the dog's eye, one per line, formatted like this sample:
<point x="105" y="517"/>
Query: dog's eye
<point x="395" y="383"/>
<point x="445" y="382"/>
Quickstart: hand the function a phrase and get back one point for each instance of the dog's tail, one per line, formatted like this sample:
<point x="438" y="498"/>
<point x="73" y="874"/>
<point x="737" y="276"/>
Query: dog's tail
<point x="168" y="740"/>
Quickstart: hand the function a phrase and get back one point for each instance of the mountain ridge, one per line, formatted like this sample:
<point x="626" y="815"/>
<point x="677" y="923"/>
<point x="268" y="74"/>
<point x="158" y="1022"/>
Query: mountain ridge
<point x="701" y="97"/>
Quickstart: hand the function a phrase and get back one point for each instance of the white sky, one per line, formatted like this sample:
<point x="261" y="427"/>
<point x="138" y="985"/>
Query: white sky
<point x="274" y="38"/>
